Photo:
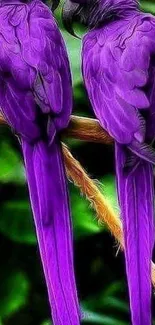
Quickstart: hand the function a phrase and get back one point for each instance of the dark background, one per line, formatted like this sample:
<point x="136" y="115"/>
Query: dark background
<point x="100" y="273"/>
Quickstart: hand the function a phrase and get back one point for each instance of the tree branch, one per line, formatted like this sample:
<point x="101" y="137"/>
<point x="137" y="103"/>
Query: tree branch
<point x="90" y="130"/>
<point x="87" y="129"/>
<point x="83" y="128"/>
<point x="89" y="188"/>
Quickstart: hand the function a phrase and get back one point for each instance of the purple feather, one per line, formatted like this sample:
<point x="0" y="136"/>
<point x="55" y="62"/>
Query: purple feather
<point x="118" y="63"/>
<point x="121" y="116"/>
<point x="36" y="100"/>
<point x="136" y="195"/>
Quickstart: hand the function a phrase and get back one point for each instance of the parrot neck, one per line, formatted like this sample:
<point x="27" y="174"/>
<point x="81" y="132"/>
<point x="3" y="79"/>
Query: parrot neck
<point x="102" y="11"/>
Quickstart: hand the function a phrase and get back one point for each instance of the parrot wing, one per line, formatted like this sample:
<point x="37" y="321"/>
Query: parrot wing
<point x="119" y="74"/>
<point x="116" y="74"/>
<point x="34" y="63"/>
<point x="34" y="68"/>
<point x="43" y="49"/>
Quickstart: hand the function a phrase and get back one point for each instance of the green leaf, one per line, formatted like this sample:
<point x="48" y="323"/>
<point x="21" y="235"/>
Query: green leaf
<point x="116" y="303"/>
<point x="47" y="322"/>
<point x="95" y="318"/>
<point x="14" y="294"/>
<point x="11" y="168"/>
<point x="83" y="215"/>
<point x="16" y="222"/>
<point x="113" y="289"/>
<point x="148" y="6"/>
<point x="109" y="301"/>
<point x="110" y="298"/>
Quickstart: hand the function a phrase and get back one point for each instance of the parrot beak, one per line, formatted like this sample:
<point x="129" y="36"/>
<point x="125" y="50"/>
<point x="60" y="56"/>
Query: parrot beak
<point x="69" y="11"/>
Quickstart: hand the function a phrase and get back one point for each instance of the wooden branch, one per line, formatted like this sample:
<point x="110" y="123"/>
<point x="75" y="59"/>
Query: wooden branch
<point x="89" y="188"/>
<point x="83" y="128"/>
<point x="87" y="129"/>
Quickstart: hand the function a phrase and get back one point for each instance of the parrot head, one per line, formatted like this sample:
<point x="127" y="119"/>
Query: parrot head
<point x="94" y="13"/>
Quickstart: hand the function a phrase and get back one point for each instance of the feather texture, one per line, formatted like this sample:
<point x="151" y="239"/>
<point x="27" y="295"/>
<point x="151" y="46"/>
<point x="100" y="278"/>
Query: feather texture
<point x="136" y="195"/>
<point x="53" y="227"/>
<point x="118" y="63"/>
<point x="36" y="100"/>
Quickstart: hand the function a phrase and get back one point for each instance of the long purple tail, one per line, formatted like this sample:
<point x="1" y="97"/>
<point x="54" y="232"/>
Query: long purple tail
<point x="49" y="199"/>
<point x="136" y="197"/>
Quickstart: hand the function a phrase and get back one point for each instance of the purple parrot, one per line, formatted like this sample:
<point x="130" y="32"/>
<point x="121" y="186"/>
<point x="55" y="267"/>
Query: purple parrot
<point x="118" y="64"/>
<point x="36" y="101"/>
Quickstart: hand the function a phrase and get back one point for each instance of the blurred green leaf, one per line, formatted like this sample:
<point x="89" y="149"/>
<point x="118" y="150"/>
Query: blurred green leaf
<point x="113" y="289"/>
<point x="16" y="222"/>
<point x="148" y="6"/>
<point x="13" y="294"/>
<point x="83" y="215"/>
<point x="10" y="165"/>
<point x="47" y="322"/>
<point x="109" y="301"/>
<point x="116" y="303"/>
<point x="95" y="318"/>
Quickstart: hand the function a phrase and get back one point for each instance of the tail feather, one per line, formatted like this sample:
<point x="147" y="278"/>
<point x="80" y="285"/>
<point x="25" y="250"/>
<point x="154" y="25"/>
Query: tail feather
<point x="136" y="198"/>
<point x="49" y="199"/>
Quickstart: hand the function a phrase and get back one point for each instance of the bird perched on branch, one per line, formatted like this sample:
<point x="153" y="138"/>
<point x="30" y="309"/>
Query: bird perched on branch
<point x="36" y="100"/>
<point x="118" y="64"/>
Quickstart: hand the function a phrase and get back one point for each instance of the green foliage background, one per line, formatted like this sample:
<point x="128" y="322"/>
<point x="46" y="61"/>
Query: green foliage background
<point x="100" y="273"/>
